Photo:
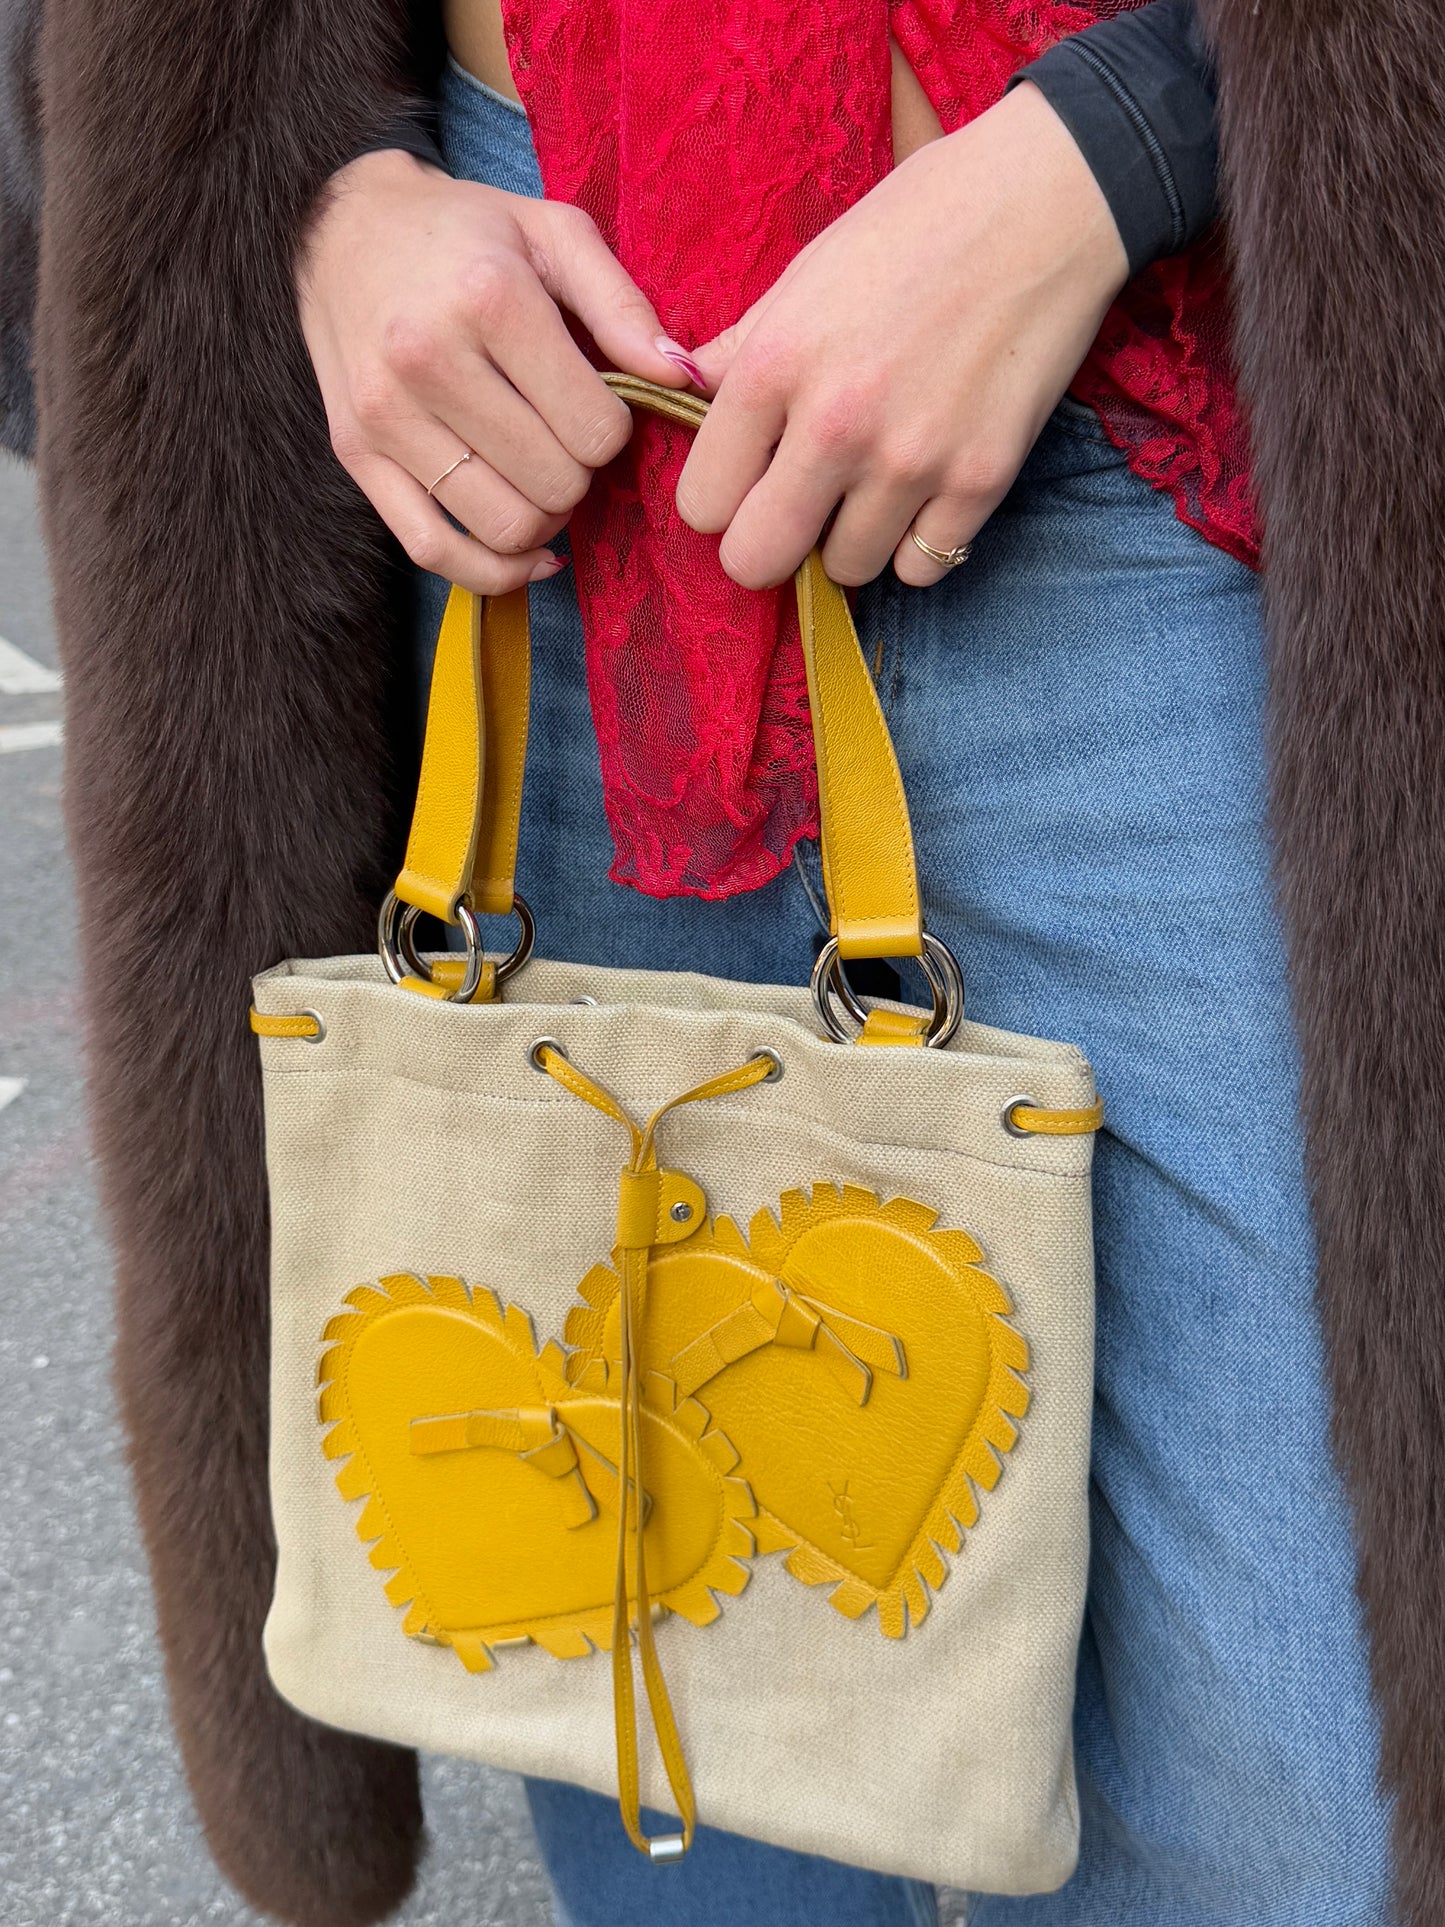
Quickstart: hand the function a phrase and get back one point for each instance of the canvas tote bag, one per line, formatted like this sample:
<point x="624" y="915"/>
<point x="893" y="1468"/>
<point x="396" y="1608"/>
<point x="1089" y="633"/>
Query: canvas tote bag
<point x="734" y="1336"/>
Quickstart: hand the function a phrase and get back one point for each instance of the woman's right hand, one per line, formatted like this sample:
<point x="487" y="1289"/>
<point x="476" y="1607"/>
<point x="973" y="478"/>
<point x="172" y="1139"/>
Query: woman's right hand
<point x="432" y="312"/>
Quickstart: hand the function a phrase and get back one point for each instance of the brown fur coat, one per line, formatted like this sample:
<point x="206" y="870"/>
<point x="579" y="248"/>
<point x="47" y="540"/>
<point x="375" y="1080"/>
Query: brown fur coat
<point x="222" y="596"/>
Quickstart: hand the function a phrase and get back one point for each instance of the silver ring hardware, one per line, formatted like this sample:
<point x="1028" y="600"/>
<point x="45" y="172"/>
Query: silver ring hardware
<point x="766" y="1050"/>
<point x="534" y="1055"/>
<point x="396" y="942"/>
<point x="938" y="964"/>
<point x="320" y="1023"/>
<point x="1018" y="1130"/>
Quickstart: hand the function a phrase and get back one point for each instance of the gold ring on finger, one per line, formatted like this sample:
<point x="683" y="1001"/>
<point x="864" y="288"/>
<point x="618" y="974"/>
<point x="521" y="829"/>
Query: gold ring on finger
<point x="945" y="558"/>
<point x="450" y="469"/>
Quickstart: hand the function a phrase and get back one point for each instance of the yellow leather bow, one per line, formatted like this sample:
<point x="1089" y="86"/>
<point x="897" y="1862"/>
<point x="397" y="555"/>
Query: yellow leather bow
<point x="778" y="1314"/>
<point x="541" y="1438"/>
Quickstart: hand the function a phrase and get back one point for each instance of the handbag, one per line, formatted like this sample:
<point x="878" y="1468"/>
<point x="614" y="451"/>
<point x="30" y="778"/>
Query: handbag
<point x="730" y="1336"/>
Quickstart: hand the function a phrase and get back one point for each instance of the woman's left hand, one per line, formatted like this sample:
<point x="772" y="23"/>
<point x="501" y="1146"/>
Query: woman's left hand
<point x="901" y="368"/>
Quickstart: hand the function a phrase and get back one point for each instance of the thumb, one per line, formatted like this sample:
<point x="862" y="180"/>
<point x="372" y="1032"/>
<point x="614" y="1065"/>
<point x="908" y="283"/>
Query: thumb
<point x="581" y="273"/>
<point x="715" y="357"/>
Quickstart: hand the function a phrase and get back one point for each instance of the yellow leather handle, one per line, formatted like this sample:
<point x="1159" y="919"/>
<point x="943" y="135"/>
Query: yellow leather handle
<point x="463" y="842"/>
<point x="866" y="837"/>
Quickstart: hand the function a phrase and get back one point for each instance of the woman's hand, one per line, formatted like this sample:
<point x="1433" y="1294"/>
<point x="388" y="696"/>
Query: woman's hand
<point x="904" y="363"/>
<point x="431" y="309"/>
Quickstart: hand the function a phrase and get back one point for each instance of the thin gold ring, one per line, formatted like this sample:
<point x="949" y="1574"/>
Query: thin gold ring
<point x="450" y="469"/>
<point x="945" y="558"/>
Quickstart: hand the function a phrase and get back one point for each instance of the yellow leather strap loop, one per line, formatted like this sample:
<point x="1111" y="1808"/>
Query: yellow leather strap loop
<point x="1033" y="1121"/>
<point x="301" y="1024"/>
<point x="656" y="1207"/>
<point x="894" y="1027"/>
<point x="526" y="1430"/>
<point x="446" y="822"/>
<point x="643" y="1191"/>
<point x="446" y="980"/>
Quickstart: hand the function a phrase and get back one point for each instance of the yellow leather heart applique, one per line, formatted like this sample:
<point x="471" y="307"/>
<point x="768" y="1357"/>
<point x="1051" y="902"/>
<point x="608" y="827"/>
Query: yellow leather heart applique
<point x="490" y="1481"/>
<point x="861" y="1362"/>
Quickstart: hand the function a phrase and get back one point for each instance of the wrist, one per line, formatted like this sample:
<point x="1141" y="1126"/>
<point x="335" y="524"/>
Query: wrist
<point x="1048" y="197"/>
<point x="379" y="174"/>
<point x="390" y="167"/>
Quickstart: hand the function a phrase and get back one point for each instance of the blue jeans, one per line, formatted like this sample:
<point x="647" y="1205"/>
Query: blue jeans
<point x="1078" y="714"/>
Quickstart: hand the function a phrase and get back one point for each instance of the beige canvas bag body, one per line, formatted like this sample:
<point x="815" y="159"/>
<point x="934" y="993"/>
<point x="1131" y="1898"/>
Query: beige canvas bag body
<point x="648" y="1342"/>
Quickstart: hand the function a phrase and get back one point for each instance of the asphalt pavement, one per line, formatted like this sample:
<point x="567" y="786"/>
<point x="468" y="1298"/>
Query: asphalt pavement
<point x="95" y="1823"/>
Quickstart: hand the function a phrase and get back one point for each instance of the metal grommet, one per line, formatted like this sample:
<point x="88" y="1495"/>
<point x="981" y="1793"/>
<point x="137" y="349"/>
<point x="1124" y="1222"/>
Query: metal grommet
<point x="591" y="1002"/>
<point x="765" y="1050"/>
<point x="938" y="964"/>
<point x="1017" y="1130"/>
<point x="320" y="1023"/>
<point x="534" y="1055"/>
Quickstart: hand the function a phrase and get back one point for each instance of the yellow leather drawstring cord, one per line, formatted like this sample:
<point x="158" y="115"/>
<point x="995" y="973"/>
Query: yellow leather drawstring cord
<point x="638" y="1209"/>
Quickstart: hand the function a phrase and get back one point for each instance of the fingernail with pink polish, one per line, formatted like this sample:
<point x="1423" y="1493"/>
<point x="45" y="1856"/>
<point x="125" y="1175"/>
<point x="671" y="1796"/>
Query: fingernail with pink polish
<point x="675" y="352"/>
<point x="544" y="571"/>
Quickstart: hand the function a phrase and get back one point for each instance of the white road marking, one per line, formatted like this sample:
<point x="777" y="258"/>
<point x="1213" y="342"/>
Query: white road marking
<point x="29" y="736"/>
<point x="22" y="675"/>
<point x="10" y="1089"/>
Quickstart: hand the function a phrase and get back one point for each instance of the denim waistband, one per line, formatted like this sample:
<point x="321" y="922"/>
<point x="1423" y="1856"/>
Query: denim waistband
<point x="486" y="137"/>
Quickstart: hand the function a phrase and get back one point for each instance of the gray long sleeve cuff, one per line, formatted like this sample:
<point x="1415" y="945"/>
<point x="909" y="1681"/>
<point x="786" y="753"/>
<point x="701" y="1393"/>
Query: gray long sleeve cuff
<point x="1137" y="92"/>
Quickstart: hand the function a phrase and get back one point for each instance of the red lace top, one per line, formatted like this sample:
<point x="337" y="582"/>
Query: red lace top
<point x="710" y="140"/>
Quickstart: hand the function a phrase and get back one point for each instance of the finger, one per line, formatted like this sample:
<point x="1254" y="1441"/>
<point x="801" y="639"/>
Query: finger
<point x="491" y="511"/>
<point x="482" y="410"/>
<point x="516" y="325"/>
<point x="460" y="480"/>
<point x="579" y="271"/>
<point x="945" y="524"/>
<point x="715" y="357"/>
<point x="873" y="519"/>
<point x="436" y="546"/>
<point x="782" y="517"/>
<point x="729" y="457"/>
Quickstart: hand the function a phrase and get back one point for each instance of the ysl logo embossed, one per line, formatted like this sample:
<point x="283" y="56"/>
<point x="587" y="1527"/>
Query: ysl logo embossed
<point x="848" y="1527"/>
